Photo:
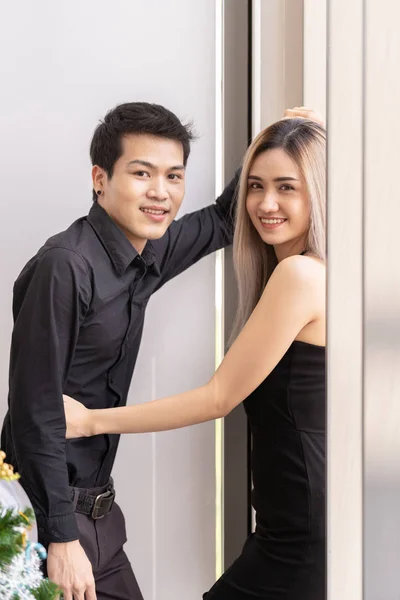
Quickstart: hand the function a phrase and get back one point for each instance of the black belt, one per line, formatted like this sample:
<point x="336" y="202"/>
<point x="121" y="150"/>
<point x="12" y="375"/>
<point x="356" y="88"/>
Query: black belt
<point x="95" y="502"/>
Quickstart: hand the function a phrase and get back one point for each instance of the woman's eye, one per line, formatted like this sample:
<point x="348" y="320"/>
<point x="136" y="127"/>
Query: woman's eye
<point x="255" y="186"/>
<point x="286" y="188"/>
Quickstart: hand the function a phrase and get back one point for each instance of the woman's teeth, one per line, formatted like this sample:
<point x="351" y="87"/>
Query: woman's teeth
<point x="272" y="221"/>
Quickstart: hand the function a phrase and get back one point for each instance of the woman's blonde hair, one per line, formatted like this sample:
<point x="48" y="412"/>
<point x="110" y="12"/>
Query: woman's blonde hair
<point x="254" y="260"/>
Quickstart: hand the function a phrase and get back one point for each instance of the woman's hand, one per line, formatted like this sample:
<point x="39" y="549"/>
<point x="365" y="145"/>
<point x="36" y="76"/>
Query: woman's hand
<point x="304" y="113"/>
<point x="78" y="418"/>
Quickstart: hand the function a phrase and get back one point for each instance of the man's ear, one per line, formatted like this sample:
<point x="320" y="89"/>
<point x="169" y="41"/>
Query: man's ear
<point x="99" y="178"/>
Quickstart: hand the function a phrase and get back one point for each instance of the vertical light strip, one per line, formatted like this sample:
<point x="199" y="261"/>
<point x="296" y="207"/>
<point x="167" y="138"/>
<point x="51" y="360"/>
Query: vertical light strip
<point x="256" y="68"/>
<point x="345" y="300"/>
<point x="256" y="99"/>
<point x="219" y="283"/>
<point x="154" y="484"/>
<point x="363" y="299"/>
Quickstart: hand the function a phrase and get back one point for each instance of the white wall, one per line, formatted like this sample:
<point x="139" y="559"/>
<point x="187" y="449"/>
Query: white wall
<point x="381" y="301"/>
<point x="363" y="94"/>
<point x="315" y="55"/>
<point x="277" y="66"/>
<point x="63" y="65"/>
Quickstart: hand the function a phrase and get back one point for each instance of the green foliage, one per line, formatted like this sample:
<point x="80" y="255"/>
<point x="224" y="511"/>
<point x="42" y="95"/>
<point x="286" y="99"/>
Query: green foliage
<point x="12" y="543"/>
<point x="11" y="540"/>
<point x="46" y="591"/>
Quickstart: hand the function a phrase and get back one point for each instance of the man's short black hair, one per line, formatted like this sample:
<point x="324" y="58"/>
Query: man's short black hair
<point x="135" y="118"/>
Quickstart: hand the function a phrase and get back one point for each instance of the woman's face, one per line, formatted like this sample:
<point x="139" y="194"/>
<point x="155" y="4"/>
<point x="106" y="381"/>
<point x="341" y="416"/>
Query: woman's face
<point x="277" y="202"/>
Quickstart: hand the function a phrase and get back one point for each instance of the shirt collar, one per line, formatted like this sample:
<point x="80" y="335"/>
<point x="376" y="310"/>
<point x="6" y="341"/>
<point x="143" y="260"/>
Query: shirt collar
<point x="117" y="245"/>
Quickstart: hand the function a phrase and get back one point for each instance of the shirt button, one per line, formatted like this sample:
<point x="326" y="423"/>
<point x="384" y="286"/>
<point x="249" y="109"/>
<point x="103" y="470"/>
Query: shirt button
<point x="140" y="263"/>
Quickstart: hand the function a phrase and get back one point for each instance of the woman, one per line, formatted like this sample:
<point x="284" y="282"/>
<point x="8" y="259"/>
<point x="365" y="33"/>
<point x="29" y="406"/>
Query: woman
<point x="275" y="365"/>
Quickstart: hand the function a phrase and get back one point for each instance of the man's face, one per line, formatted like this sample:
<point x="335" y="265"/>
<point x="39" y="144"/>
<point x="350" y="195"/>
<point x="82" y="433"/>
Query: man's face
<point x="146" y="189"/>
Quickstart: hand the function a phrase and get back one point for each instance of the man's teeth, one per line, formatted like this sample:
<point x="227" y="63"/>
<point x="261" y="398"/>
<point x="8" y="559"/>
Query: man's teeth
<point x="273" y="221"/>
<point x="153" y="212"/>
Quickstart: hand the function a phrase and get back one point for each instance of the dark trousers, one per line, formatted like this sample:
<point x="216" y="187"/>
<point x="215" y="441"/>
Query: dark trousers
<point x="103" y="540"/>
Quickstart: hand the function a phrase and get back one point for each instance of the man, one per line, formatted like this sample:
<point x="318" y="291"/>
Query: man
<point x="78" y="308"/>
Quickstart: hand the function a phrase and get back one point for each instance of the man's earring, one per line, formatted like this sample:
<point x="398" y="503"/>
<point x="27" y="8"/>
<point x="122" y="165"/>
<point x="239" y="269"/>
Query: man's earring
<point x="99" y="192"/>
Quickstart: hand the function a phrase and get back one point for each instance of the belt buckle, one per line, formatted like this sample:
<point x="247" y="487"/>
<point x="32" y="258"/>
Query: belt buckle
<point x="96" y="504"/>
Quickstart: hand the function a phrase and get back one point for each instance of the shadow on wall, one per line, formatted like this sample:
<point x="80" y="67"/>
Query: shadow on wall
<point x="381" y="536"/>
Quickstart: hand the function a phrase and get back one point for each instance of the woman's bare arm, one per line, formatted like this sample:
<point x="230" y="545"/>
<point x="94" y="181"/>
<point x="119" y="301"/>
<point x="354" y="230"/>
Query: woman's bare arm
<point x="293" y="297"/>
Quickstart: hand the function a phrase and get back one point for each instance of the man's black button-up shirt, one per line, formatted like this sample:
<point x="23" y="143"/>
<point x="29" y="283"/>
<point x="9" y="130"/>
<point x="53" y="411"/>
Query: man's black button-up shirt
<point x="78" y="309"/>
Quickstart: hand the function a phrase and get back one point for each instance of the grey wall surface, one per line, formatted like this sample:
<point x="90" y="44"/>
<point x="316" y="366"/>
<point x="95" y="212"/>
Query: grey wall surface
<point x="235" y="139"/>
<point x="62" y="66"/>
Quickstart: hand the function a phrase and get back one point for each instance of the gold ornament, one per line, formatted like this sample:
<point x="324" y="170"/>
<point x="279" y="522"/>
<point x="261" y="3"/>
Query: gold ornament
<point x="6" y="470"/>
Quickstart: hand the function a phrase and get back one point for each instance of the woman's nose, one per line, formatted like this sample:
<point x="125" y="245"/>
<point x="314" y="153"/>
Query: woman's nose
<point x="269" y="202"/>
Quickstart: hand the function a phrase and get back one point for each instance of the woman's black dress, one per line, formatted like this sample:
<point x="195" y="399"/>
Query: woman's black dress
<point x="285" y="558"/>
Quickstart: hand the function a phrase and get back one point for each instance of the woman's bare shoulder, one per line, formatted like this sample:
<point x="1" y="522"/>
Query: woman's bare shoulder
<point x="301" y="269"/>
